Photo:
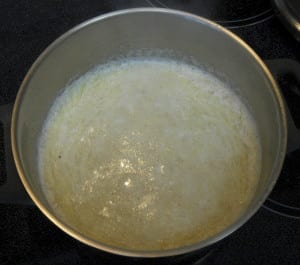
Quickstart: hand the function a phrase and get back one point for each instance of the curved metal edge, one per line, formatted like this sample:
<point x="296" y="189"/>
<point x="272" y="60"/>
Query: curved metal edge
<point x="11" y="190"/>
<point x="284" y="67"/>
<point x="287" y="67"/>
<point x="158" y="253"/>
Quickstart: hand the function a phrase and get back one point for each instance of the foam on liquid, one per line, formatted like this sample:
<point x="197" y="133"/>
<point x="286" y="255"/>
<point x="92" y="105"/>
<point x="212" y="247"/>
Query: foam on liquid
<point x="149" y="154"/>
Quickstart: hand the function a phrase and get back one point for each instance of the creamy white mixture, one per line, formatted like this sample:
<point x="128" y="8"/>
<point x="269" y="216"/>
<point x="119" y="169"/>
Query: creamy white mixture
<point x="149" y="154"/>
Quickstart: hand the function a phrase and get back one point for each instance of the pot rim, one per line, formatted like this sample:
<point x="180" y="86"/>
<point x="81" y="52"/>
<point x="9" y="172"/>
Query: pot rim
<point x="157" y="253"/>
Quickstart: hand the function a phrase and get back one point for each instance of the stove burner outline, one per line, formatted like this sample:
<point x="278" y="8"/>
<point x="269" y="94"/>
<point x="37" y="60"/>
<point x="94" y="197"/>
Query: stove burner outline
<point x="282" y="209"/>
<point x="235" y="23"/>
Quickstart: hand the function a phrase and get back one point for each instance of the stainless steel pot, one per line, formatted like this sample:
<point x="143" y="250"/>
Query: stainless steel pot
<point x="148" y="31"/>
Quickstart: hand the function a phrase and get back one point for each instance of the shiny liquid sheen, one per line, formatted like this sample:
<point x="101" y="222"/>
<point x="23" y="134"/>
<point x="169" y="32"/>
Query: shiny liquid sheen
<point x="149" y="154"/>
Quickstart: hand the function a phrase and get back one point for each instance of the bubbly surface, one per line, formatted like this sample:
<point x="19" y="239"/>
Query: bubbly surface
<point x="149" y="154"/>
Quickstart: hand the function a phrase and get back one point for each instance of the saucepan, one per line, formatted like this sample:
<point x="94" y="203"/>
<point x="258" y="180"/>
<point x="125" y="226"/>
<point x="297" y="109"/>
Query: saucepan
<point x="159" y="32"/>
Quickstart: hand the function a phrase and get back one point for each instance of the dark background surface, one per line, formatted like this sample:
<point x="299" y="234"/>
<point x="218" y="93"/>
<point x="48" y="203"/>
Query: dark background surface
<point x="26" y="236"/>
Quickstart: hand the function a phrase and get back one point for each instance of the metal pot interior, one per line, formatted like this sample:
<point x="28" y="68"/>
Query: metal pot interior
<point x="147" y="32"/>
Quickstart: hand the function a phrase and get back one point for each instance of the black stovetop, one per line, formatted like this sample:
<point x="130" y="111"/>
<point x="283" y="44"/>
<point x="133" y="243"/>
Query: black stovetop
<point x="27" y="27"/>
